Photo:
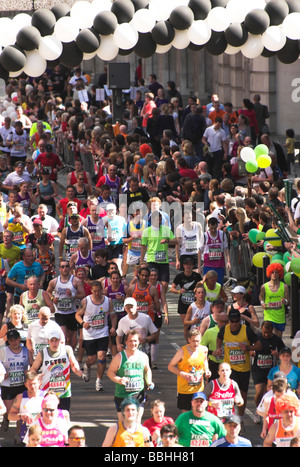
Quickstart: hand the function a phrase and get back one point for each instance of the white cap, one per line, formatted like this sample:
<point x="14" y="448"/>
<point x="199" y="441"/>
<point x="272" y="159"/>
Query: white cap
<point x="130" y="301"/>
<point x="239" y="289"/>
<point x="111" y="207"/>
<point x="54" y="333"/>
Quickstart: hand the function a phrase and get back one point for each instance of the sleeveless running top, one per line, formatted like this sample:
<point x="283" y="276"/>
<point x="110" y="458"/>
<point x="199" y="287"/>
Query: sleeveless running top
<point x="191" y="364"/>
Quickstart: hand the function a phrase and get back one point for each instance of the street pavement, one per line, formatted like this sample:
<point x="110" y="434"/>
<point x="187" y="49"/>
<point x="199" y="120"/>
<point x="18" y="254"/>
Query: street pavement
<point x="95" y="411"/>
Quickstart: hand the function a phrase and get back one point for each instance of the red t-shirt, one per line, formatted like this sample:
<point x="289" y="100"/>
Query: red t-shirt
<point x="49" y="162"/>
<point x="65" y="201"/>
<point x="152" y="425"/>
<point x="190" y="173"/>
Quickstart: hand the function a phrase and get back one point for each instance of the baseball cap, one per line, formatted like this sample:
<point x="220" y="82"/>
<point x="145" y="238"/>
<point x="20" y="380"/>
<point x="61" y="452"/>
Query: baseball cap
<point x="48" y="147"/>
<point x="285" y="350"/>
<point x="232" y="419"/>
<point x="188" y="260"/>
<point x="13" y="334"/>
<point x="130" y="301"/>
<point x="279" y="375"/>
<point x="54" y="334"/>
<point x="37" y="220"/>
<point x="239" y="289"/>
<point x="199" y="395"/>
<point x="111" y="207"/>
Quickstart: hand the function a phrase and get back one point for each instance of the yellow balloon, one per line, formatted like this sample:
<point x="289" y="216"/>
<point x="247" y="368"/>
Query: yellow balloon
<point x="257" y="259"/>
<point x="264" y="161"/>
<point x="271" y="233"/>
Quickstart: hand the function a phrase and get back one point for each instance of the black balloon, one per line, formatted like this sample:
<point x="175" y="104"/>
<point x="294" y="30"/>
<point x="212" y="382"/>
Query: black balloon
<point x="289" y="52"/>
<point x="267" y="53"/>
<point x="4" y="74"/>
<point x="277" y="11"/>
<point x="221" y="3"/>
<point x="71" y="55"/>
<point x="88" y="40"/>
<point x="200" y="8"/>
<point x="139" y="4"/>
<point x="181" y="17"/>
<point x="124" y="10"/>
<point x="124" y="52"/>
<point x="236" y="34"/>
<point x="28" y="38"/>
<point x="44" y="20"/>
<point x="163" y="33"/>
<point x="217" y="43"/>
<point x="294" y="6"/>
<point x="257" y="21"/>
<point x="60" y="10"/>
<point x="105" y="23"/>
<point x="195" y="47"/>
<point x="145" y="46"/>
<point x="12" y="58"/>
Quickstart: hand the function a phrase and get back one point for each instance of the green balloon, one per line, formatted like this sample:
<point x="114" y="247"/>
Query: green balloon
<point x="276" y="257"/>
<point x="295" y="265"/>
<point x="251" y="166"/>
<point x="253" y="235"/>
<point x="260" y="236"/>
<point x="287" y="278"/>
<point x="278" y="261"/>
<point x="286" y="256"/>
<point x="261" y="150"/>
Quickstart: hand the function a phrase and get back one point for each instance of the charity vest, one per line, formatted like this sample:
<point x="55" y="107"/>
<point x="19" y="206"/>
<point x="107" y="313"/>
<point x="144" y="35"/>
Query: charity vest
<point x="143" y="299"/>
<point x="134" y="246"/>
<point x="133" y="370"/>
<point x="214" y="251"/>
<point x="283" y="436"/>
<point x="226" y="397"/>
<point x="214" y="294"/>
<point x="276" y="310"/>
<point x="32" y="305"/>
<point x="238" y="359"/>
<point x="56" y="372"/>
<point x="191" y="364"/>
<point x="125" y="439"/>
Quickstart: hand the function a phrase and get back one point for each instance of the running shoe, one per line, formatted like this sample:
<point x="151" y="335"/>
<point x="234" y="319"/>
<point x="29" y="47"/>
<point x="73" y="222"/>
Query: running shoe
<point x="99" y="386"/>
<point x="86" y="373"/>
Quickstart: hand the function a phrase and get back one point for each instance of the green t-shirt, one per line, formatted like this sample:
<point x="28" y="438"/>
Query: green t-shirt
<point x="209" y="339"/>
<point x="198" y="432"/>
<point x="157" y="252"/>
<point x="134" y="372"/>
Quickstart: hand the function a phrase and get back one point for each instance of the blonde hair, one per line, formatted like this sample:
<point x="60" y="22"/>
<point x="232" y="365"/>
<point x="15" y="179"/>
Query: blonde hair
<point x="19" y="308"/>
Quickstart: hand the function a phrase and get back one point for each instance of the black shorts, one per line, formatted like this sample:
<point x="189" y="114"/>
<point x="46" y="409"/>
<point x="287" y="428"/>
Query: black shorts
<point x="67" y="320"/>
<point x="94" y="346"/>
<point x="2" y="303"/>
<point x="163" y="271"/>
<point x="184" y="401"/>
<point x="140" y="397"/>
<point x="259" y="376"/>
<point x="157" y="321"/>
<point x="10" y="393"/>
<point x="114" y="252"/>
<point x="242" y="378"/>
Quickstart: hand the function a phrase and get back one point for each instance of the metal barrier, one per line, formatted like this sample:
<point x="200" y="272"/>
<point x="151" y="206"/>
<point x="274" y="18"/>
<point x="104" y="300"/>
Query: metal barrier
<point x="88" y="163"/>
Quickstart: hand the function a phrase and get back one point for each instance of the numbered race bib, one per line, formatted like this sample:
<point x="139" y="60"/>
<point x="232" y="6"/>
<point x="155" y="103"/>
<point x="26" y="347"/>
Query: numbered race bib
<point x="98" y="321"/>
<point x="160" y="256"/>
<point x="215" y="253"/>
<point x="237" y="357"/>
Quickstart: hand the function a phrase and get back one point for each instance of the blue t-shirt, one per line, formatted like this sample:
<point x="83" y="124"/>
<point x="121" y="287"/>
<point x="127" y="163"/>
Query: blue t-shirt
<point x="117" y="230"/>
<point x="19" y="273"/>
<point x="293" y="378"/>
<point x="223" y="443"/>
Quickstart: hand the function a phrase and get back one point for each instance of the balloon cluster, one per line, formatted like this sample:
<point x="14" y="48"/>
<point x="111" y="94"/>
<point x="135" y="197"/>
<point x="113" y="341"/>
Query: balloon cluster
<point x="289" y="262"/>
<point x="257" y="158"/>
<point x="107" y="28"/>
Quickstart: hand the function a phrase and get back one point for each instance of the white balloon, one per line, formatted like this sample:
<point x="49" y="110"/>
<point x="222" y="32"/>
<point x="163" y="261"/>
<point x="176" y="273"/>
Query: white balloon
<point x="290" y="26"/>
<point x="162" y="49"/>
<point x="181" y="39"/>
<point x="101" y="5"/>
<point x="125" y="36"/>
<point x="50" y="47"/>
<point x="230" y="50"/>
<point x="247" y="154"/>
<point x="21" y="20"/>
<point x="35" y="65"/>
<point x="108" y="49"/>
<point x="82" y="13"/>
<point x="87" y="56"/>
<point x="218" y="19"/>
<point x="8" y="32"/>
<point x="161" y="10"/>
<point x="66" y="29"/>
<point x="199" y="32"/>
<point x="274" y="38"/>
<point x="143" y="20"/>
<point x="237" y="10"/>
<point x="253" y="47"/>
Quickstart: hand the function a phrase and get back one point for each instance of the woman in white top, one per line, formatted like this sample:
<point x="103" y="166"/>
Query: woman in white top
<point x="197" y="311"/>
